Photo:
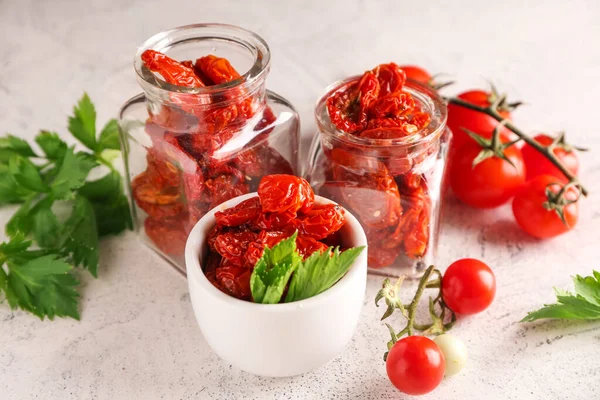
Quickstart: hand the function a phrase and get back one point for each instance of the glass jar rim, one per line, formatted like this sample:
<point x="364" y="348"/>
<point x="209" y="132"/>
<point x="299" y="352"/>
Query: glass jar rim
<point x="438" y="111"/>
<point x="166" y="39"/>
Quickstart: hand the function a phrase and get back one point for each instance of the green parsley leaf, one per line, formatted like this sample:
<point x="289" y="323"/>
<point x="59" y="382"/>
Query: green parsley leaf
<point x="17" y="244"/>
<point x="320" y="271"/>
<point x="21" y="222"/>
<point x="110" y="204"/>
<point x="583" y="304"/>
<point x="80" y="235"/>
<point x="109" y="136"/>
<point x="273" y="270"/>
<point x="82" y="124"/>
<point x="16" y="145"/>
<point x="10" y="190"/>
<point x="73" y="171"/>
<point x="46" y="227"/>
<point x="43" y="286"/>
<point x="52" y="145"/>
<point x="26" y="174"/>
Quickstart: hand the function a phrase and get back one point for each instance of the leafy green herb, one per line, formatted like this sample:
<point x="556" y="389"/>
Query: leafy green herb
<point x="36" y="281"/>
<point x="319" y="272"/>
<point x="273" y="270"/>
<point x="41" y="281"/>
<point x="283" y="264"/>
<point x="583" y="304"/>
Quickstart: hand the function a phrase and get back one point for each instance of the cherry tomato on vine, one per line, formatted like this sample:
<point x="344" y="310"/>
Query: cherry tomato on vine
<point x="537" y="164"/>
<point x="416" y="73"/>
<point x="534" y="214"/>
<point x="492" y="182"/>
<point x="415" y="365"/>
<point x="460" y="117"/>
<point x="468" y="286"/>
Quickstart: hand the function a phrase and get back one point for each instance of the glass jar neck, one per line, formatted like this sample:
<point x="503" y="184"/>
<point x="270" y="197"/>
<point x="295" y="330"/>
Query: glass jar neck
<point x="247" y="53"/>
<point x="422" y="141"/>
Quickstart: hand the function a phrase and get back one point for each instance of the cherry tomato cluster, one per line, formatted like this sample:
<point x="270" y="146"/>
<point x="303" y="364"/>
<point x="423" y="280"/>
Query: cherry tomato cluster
<point x="416" y="364"/>
<point x="285" y="204"/>
<point x="523" y="173"/>
<point x="391" y="201"/>
<point x="188" y="172"/>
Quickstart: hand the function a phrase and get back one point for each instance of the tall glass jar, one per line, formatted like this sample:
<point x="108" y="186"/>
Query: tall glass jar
<point x="189" y="149"/>
<point x="393" y="186"/>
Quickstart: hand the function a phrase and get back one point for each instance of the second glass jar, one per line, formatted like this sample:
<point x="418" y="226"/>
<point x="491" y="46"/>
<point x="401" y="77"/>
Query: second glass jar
<point x="393" y="186"/>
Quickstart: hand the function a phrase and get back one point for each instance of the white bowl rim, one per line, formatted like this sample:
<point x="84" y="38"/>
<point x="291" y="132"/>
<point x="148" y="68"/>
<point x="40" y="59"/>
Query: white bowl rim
<point x="195" y="273"/>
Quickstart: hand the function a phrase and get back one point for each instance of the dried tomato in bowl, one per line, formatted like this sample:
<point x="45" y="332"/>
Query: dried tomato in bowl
<point x="241" y="233"/>
<point x="205" y="130"/>
<point x="380" y="152"/>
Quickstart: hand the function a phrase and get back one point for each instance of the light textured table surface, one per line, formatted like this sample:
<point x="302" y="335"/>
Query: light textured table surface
<point x="138" y="338"/>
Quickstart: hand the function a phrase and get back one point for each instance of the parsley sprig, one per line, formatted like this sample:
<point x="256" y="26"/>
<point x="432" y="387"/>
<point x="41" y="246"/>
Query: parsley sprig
<point x="584" y="304"/>
<point x="283" y="264"/>
<point x="61" y="212"/>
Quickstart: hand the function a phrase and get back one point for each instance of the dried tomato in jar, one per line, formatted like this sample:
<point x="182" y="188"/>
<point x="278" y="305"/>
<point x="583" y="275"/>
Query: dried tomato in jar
<point x="209" y="132"/>
<point x="380" y="152"/>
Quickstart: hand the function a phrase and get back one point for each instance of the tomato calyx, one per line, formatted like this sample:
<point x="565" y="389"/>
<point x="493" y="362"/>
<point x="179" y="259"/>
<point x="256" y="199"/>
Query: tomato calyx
<point x="493" y="147"/>
<point x="437" y="85"/>
<point x="558" y="200"/>
<point x="560" y="142"/>
<point x="442" y="317"/>
<point x="500" y="101"/>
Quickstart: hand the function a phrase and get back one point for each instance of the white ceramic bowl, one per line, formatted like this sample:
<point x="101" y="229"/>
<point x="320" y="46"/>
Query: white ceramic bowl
<point x="277" y="339"/>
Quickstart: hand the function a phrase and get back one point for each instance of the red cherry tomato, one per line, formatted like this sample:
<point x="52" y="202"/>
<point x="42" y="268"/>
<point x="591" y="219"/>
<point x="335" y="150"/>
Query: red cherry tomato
<point x="480" y="123"/>
<point x="490" y="183"/>
<point x="468" y="286"/>
<point x="416" y="73"/>
<point x="536" y="220"/>
<point x="538" y="165"/>
<point x="415" y="365"/>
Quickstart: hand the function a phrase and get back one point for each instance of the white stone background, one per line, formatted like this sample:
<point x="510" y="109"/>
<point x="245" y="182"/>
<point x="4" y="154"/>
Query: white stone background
<point x="138" y="338"/>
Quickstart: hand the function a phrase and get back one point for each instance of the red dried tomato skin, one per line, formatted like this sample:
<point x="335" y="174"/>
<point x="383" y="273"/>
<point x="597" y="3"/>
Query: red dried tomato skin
<point x="321" y="221"/>
<point x="281" y="193"/>
<point x="393" y="105"/>
<point x="233" y="245"/>
<point x="246" y="211"/>
<point x="172" y="71"/>
<point x="217" y="69"/>
<point x="168" y="234"/>
<point x="348" y="107"/>
<point x="390" y="77"/>
<point x="234" y="280"/>
<point x="307" y="245"/>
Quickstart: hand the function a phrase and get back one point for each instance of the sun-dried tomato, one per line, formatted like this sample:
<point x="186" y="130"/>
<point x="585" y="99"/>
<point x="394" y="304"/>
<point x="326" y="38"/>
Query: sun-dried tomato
<point x="348" y="107"/>
<point x="161" y="171"/>
<point x="280" y="193"/>
<point x="244" y="212"/>
<point x="307" y="245"/>
<point x="321" y="221"/>
<point x="393" y="105"/>
<point x="265" y="239"/>
<point x="390" y="77"/>
<point x="378" y="257"/>
<point x="415" y="221"/>
<point x="168" y="234"/>
<point x="158" y="202"/>
<point x="217" y="69"/>
<point x="225" y="187"/>
<point x="273" y="221"/>
<point x="172" y="71"/>
<point x="233" y="245"/>
<point x="234" y="280"/>
<point x="369" y="190"/>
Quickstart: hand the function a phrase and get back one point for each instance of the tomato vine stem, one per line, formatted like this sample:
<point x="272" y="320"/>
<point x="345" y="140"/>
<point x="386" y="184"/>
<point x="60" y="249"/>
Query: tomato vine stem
<point x="492" y="111"/>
